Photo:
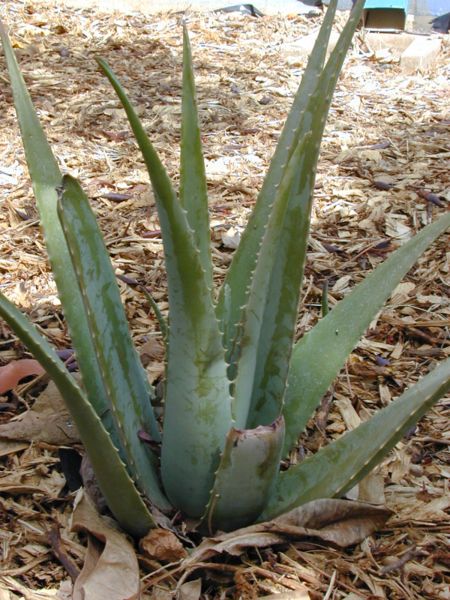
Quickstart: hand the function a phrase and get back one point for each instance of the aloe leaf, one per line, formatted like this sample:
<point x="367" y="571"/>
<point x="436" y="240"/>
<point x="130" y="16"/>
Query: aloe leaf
<point x="313" y="117"/>
<point x="318" y="357"/>
<point x="245" y="477"/>
<point x="193" y="190"/>
<point x="235" y="289"/>
<point x="121" y="370"/>
<point x="46" y="177"/>
<point x="198" y="405"/>
<point x="116" y="485"/>
<point x="281" y="303"/>
<point x="340" y="465"/>
<point x="282" y="255"/>
<point x="269" y="317"/>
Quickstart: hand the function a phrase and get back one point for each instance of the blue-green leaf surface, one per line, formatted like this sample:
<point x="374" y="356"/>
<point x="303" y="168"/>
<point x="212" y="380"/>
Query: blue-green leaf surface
<point x="339" y="466"/>
<point x="118" y="489"/>
<point x="321" y="353"/>
<point x="193" y="190"/>
<point x="198" y="405"/>
<point x="269" y="319"/>
<point x="234" y="292"/>
<point x="46" y="177"/>
<point x="121" y="370"/>
<point x="246" y="476"/>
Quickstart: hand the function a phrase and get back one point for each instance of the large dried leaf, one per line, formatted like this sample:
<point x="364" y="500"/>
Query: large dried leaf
<point x="110" y="570"/>
<point x="338" y="522"/>
<point x="47" y="421"/>
<point x="191" y="590"/>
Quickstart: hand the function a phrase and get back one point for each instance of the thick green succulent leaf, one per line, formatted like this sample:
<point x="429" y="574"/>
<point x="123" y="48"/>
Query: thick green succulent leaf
<point x="269" y="317"/>
<point x="198" y="405"/>
<point x="279" y="271"/>
<point x="340" y="465"/>
<point x="46" y="177"/>
<point x="281" y="303"/>
<point x="123" y="375"/>
<point x="321" y="353"/>
<point x="193" y="189"/>
<point x="116" y="485"/>
<point x="246" y="476"/>
<point x="234" y="292"/>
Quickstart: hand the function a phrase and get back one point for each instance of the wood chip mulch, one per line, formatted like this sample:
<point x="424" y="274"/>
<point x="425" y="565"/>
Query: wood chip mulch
<point x="383" y="174"/>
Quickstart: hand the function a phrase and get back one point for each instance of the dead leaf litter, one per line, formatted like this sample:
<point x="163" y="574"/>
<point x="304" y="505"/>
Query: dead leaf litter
<point x="383" y="174"/>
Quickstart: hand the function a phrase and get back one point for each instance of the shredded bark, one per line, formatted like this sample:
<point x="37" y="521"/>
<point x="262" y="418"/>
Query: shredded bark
<point x="383" y="174"/>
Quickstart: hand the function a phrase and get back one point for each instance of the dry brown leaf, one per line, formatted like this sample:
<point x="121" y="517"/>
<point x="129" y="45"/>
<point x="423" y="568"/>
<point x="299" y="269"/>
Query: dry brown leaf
<point x="13" y="372"/>
<point x="110" y="570"/>
<point x="191" y="590"/>
<point x="162" y="545"/>
<point x="48" y="421"/>
<point x="338" y="522"/>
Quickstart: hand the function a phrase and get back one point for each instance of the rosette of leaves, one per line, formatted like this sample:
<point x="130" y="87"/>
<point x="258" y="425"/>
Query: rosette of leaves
<point x="238" y="389"/>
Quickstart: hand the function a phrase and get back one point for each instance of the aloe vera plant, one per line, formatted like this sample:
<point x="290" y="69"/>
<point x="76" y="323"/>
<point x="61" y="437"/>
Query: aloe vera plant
<point x="238" y="390"/>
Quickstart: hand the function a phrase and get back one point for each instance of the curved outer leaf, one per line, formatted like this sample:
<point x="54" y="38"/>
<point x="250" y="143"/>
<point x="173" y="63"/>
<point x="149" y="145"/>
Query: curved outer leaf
<point x="120" y="367"/>
<point x="46" y="177"/>
<point x="321" y="353"/>
<point x="198" y="405"/>
<point x="116" y="485"/>
<point x="340" y="465"/>
<point x="234" y="292"/>
<point x="193" y="190"/>
<point x="246" y="476"/>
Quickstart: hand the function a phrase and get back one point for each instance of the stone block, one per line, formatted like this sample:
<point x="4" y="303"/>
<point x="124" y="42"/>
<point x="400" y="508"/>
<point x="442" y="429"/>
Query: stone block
<point x="420" y="54"/>
<point x="296" y="52"/>
<point x="396" y="43"/>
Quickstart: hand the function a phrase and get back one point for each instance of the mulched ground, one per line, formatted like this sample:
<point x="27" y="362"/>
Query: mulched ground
<point x="383" y="174"/>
